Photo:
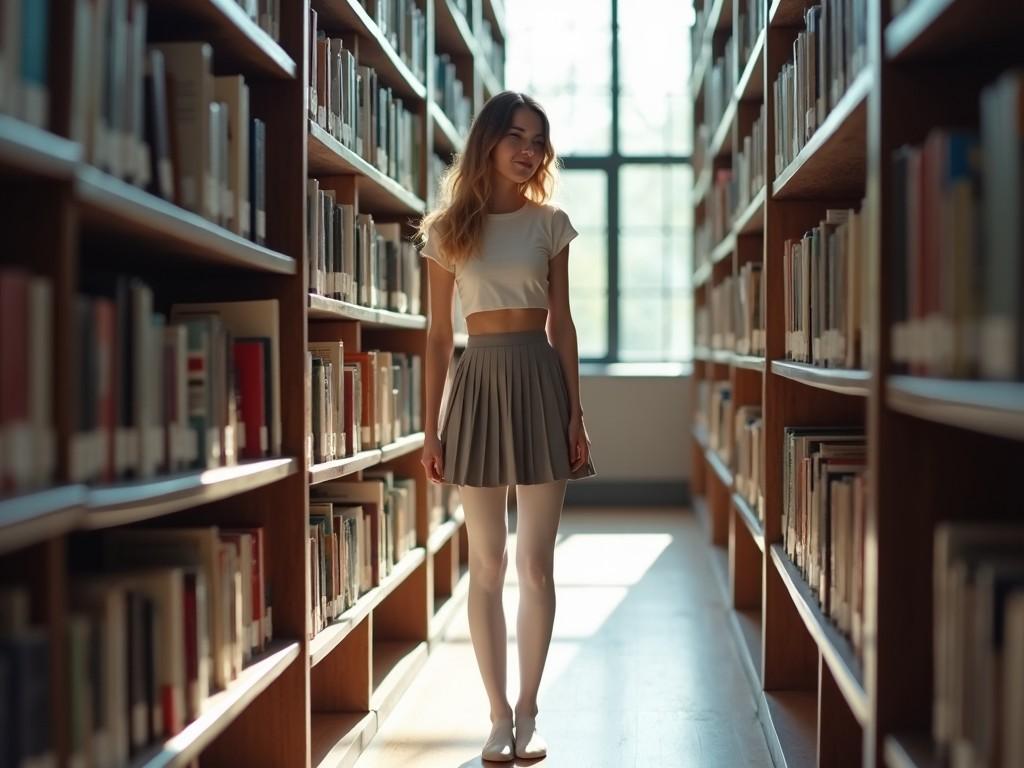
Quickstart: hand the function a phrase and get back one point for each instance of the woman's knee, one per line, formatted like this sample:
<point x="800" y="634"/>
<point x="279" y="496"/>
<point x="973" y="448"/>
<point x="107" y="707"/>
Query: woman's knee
<point x="487" y="569"/>
<point x="535" y="571"/>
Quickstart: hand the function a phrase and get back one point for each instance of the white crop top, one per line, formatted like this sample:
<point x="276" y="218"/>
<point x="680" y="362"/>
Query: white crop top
<point x="511" y="269"/>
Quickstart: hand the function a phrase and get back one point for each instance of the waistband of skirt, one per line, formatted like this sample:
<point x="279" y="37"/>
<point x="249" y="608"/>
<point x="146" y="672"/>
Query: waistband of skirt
<point x="508" y="339"/>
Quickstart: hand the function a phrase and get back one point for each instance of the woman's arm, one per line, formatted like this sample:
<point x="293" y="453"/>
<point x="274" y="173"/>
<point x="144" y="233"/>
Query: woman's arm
<point x="439" y="342"/>
<point x="561" y="329"/>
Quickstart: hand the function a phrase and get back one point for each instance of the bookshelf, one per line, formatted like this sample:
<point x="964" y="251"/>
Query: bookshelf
<point x="316" y="700"/>
<point x="937" y="450"/>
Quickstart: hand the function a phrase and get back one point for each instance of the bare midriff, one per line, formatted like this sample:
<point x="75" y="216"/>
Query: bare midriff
<point x="506" y="321"/>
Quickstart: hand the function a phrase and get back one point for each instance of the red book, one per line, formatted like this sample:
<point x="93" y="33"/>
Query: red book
<point x="249" y="373"/>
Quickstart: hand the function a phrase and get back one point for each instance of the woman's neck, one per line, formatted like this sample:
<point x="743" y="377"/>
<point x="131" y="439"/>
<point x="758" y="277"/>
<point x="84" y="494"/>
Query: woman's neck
<point x="505" y="196"/>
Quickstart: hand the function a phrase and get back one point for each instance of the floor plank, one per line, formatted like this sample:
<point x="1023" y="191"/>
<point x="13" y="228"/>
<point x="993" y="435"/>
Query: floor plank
<point x="642" y="669"/>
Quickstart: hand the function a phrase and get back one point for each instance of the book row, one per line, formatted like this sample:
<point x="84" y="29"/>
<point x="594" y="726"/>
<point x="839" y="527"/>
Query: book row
<point x="404" y="25"/>
<point x="749" y="171"/>
<point x="748" y="457"/>
<point x="451" y="94"/>
<point x="825" y="276"/>
<point x="357" y="260"/>
<point x="750" y="21"/>
<point x="828" y="54"/>
<point x="358" y="533"/>
<point x="957" y="260"/>
<point x="734" y="318"/>
<point x="349" y="101"/>
<point x="823" y="518"/>
<point x="360" y="400"/>
<point x="199" y="389"/>
<point x="442" y="503"/>
<point x="159" y="620"/>
<point x="24" y="65"/>
<point x="154" y="115"/>
<point x="27" y="446"/>
<point x="492" y="51"/>
<point x="721" y="83"/>
<point x="978" y="638"/>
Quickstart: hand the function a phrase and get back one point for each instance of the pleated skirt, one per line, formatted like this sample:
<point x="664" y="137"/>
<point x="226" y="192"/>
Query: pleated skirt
<point x="506" y="417"/>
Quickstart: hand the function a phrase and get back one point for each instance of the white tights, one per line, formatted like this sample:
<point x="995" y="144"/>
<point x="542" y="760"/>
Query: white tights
<point x="538" y="508"/>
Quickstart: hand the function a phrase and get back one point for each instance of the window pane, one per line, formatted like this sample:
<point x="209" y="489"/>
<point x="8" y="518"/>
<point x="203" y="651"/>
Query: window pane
<point x="654" y="73"/>
<point x="584" y="197"/>
<point x="560" y="53"/>
<point x="655" y="256"/>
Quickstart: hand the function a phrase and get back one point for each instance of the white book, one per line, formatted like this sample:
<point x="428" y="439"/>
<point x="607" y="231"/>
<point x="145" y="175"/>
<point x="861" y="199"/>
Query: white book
<point x="233" y="91"/>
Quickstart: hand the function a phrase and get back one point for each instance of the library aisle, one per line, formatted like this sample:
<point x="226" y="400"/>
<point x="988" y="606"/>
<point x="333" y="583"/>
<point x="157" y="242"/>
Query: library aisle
<point x="642" y="670"/>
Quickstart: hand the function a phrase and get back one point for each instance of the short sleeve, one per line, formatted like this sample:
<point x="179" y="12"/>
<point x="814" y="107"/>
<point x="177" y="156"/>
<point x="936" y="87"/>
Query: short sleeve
<point x="562" y="232"/>
<point x="432" y="252"/>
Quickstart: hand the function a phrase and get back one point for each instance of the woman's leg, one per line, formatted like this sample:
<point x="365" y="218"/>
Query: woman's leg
<point x="538" y="509"/>
<point x="486" y="525"/>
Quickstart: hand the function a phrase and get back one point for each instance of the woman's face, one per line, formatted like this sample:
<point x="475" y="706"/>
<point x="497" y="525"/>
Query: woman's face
<point x="519" y="153"/>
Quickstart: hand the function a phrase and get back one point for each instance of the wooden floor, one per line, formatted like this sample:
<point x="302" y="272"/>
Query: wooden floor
<point x="642" y="669"/>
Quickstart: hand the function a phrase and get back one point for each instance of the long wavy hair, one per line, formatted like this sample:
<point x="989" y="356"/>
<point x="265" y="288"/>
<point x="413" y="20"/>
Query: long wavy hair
<point x="466" y="186"/>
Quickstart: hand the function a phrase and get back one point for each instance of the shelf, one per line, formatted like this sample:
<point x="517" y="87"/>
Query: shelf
<point x="854" y="382"/>
<point x="724" y="249"/>
<point x="912" y="751"/>
<point x="27" y="150"/>
<point x="723" y="472"/>
<point x="702" y="185"/>
<point x="721" y="138"/>
<point x="446" y="610"/>
<point x="441" y="535"/>
<point x="338" y="738"/>
<point x="700" y="434"/>
<point x="395" y="665"/>
<point x="721" y="356"/>
<point x="494" y="11"/>
<point x="330" y="637"/>
<point x="835" y="648"/>
<point x="787" y="13"/>
<point x="39" y="515"/>
<point x="751" y="83"/>
<point x="700" y="67"/>
<point x="702" y="275"/>
<point x="239" y="43"/>
<point x="792" y="727"/>
<point x="446" y="136"/>
<point x="832" y="163"/>
<point x="992" y="407"/>
<point x="325" y="308"/>
<point x="220" y="710"/>
<point x="749" y="518"/>
<point x="402" y="446"/>
<point x="333" y="470"/>
<point x="942" y="29"/>
<point x="749" y="362"/>
<point x="747" y="629"/>
<point x="110" y="205"/>
<point x="719" y="19"/>
<point x="492" y="86"/>
<point x="454" y="36"/>
<point x="378" y="192"/>
<point x="145" y="499"/>
<point x="374" y="50"/>
<point x="751" y="219"/>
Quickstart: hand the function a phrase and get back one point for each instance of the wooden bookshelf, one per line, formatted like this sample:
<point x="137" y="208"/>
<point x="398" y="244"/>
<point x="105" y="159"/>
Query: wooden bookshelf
<point x="276" y="712"/>
<point x="938" y="450"/>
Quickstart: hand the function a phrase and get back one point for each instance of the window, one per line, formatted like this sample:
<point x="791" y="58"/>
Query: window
<point x="627" y="179"/>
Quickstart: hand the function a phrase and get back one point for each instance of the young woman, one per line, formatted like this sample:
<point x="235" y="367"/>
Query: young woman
<point x="513" y="414"/>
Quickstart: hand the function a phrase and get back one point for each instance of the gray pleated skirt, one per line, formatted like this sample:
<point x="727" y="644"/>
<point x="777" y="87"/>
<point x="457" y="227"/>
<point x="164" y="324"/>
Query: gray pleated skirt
<point x="507" y="414"/>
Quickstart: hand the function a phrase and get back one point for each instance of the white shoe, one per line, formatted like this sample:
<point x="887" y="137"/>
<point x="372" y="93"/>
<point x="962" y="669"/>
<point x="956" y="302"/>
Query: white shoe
<point x="529" y="743"/>
<point x="500" y="745"/>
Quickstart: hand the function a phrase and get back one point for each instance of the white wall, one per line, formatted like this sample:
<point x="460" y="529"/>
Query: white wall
<point x="639" y="425"/>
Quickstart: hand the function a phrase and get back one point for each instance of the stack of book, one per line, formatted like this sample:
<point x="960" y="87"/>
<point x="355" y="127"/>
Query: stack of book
<point x="721" y="82"/>
<point x="825" y="274"/>
<point x="748" y="465"/>
<point x="27" y="447"/>
<point x="360" y="400"/>
<point x="199" y="391"/>
<point x="724" y="314"/>
<point x="24" y="60"/>
<point x="750" y="22"/>
<point x="979" y="643"/>
<point x="827" y="57"/>
<point x="404" y="25"/>
<point x="721" y="204"/>
<point x="156" y="116"/>
<point x="451" y="94"/>
<point x="349" y="101"/>
<point x="720" y="419"/>
<point x="749" y="165"/>
<point x="357" y="260"/>
<point x="750" y="308"/>
<point x="25" y="696"/>
<point x="161" y="618"/>
<point x="957" y="256"/>
<point x="823" y="518"/>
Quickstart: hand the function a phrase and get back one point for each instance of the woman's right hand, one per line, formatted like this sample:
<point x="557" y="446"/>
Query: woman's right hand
<point x="433" y="459"/>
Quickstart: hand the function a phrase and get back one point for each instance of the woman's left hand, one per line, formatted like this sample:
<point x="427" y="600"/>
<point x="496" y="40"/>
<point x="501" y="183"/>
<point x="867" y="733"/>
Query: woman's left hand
<point x="579" y="443"/>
